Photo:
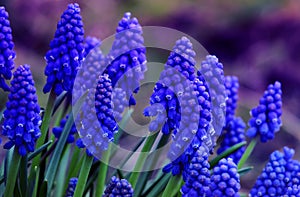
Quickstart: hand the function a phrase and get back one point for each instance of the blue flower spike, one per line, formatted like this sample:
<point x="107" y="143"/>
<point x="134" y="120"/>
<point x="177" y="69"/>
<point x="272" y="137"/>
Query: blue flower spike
<point x="7" y="53"/>
<point x="279" y="177"/>
<point x="57" y="131"/>
<point x="127" y="57"/>
<point x="266" y="117"/>
<point x="71" y="187"/>
<point x="234" y="133"/>
<point x="22" y="115"/>
<point x="225" y="180"/>
<point x="197" y="181"/>
<point x="66" y="52"/>
<point x="232" y="86"/>
<point x="118" y="187"/>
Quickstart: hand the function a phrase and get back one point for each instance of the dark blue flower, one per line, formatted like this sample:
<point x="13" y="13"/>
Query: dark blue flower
<point x="232" y="86"/>
<point x="117" y="188"/>
<point x="225" y="180"/>
<point x="66" y="52"/>
<point x="21" y="117"/>
<point x="177" y="76"/>
<point x="195" y="127"/>
<point x="197" y="181"/>
<point x="103" y="107"/>
<point x="71" y="187"/>
<point x="275" y="178"/>
<point x="234" y="133"/>
<point x="7" y="54"/>
<point x="127" y="57"/>
<point x="213" y="73"/>
<point x="265" y="120"/>
<point x="57" y="131"/>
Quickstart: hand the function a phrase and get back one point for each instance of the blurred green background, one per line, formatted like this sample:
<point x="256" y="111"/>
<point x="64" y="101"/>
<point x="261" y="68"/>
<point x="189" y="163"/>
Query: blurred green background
<point x="258" y="41"/>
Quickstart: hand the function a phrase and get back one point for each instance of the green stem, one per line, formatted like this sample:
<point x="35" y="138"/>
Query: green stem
<point x="23" y="175"/>
<point x="12" y="174"/>
<point x="172" y="184"/>
<point x="36" y="170"/>
<point x="84" y="172"/>
<point x="103" y="172"/>
<point x="247" y="153"/>
<point x="142" y="158"/>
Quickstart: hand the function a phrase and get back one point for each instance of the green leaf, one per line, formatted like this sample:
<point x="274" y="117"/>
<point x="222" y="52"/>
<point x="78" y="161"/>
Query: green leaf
<point x="53" y="164"/>
<point x="44" y="189"/>
<point x="172" y="186"/>
<point x="58" y="101"/>
<point x="12" y="174"/>
<point x="39" y="150"/>
<point x="23" y="175"/>
<point x="247" y="153"/>
<point x="61" y="175"/>
<point x="245" y="170"/>
<point x="142" y="158"/>
<point x="35" y="184"/>
<point x="226" y="153"/>
<point x="83" y="176"/>
<point x="157" y="187"/>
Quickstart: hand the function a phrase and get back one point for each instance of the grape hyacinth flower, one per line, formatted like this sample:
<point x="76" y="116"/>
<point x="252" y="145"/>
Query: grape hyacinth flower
<point x="57" y="131"/>
<point x="177" y="75"/>
<point x="194" y="129"/>
<point x="117" y="187"/>
<point x="71" y="187"/>
<point x="213" y="73"/>
<point x="91" y="43"/>
<point x="265" y="120"/>
<point x="66" y="52"/>
<point x="292" y="168"/>
<point x="7" y="54"/>
<point x="275" y="178"/>
<point x="225" y="180"/>
<point x="197" y="176"/>
<point x="232" y="86"/>
<point x="21" y="117"/>
<point x="127" y="57"/>
<point x="234" y="133"/>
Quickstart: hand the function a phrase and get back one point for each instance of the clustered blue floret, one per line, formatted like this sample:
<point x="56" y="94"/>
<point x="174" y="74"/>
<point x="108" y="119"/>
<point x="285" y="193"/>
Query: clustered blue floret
<point x="90" y="43"/>
<point x="66" y="52"/>
<point x="232" y="86"/>
<point x="118" y="187"/>
<point x="174" y="79"/>
<point x="57" y="131"/>
<point x="103" y="106"/>
<point x="22" y="115"/>
<point x="7" y="54"/>
<point x="225" y="180"/>
<point x="265" y="120"/>
<point x="234" y="133"/>
<point x="197" y="181"/>
<point x="280" y="177"/>
<point x="127" y="57"/>
<point x="194" y="128"/>
<point x="213" y="73"/>
<point x="71" y="187"/>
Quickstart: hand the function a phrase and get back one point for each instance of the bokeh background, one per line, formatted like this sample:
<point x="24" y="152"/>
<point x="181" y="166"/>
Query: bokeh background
<point x="258" y="41"/>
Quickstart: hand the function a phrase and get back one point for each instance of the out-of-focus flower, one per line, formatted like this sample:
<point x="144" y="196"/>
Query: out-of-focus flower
<point x="71" y="187"/>
<point x="66" y="52"/>
<point x="57" y="131"/>
<point x="225" y="180"/>
<point x="232" y="86"/>
<point x="265" y="120"/>
<point x="21" y="117"/>
<point x="117" y="187"/>
<point x="127" y="57"/>
<point x="90" y="43"/>
<point x="197" y="181"/>
<point x="234" y="133"/>
<point x="275" y="177"/>
<point x="7" y="54"/>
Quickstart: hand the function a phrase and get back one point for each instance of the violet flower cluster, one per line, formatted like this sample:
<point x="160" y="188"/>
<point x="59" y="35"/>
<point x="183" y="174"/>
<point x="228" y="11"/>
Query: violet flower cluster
<point x="7" y="53"/>
<point x="118" y="187"/>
